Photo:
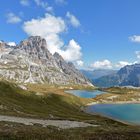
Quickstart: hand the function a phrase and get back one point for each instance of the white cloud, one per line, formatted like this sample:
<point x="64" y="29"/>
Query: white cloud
<point x="12" y="18"/>
<point x="44" y="5"/>
<point x="72" y="51"/>
<point x="135" y="38"/>
<point x="80" y="63"/>
<point x="104" y="64"/>
<point x="121" y="64"/>
<point x="50" y="27"/>
<point x="11" y="43"/>
<point x="73" y="20"/>
<point x="24" y="2"/>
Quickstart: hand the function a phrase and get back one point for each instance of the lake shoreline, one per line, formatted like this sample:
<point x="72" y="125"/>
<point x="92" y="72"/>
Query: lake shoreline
<point x="108" y="117"/>
<point x="119" y="102"/>
<point x="89" y="94"/>
<point x="92" y="103"/>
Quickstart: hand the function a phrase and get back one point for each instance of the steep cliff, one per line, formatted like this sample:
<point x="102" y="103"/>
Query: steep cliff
<point x="31" y="62"/>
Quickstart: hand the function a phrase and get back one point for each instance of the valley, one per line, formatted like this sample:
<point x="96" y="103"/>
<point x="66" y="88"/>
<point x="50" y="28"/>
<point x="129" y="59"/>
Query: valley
<point x="36" y="100"/>
<point x="69" y="70"/>
<point x="52" y="103"/>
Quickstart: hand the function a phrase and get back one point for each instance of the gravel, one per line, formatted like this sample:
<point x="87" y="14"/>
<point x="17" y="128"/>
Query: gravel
<point x="64" y="124"/>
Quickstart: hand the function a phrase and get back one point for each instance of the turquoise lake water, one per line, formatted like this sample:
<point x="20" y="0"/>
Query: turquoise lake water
<point x="124" y="112"/>
<point x="85" y="93"/>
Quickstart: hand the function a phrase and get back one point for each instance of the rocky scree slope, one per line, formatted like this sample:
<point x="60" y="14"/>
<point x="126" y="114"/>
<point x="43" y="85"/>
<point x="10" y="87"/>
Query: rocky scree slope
<point x="31" y="62"/>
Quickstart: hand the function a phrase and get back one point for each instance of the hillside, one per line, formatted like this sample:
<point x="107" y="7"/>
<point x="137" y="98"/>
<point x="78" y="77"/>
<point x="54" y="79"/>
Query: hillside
<point x="19" y="102"/>
<point x="15" y="101"/>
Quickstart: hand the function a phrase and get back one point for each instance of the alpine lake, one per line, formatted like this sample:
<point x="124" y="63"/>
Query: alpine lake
<point x="128" y="113"/>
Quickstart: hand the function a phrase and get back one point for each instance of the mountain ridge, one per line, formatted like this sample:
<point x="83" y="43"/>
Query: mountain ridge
<point x="31" y="62"/>
<point x="129" y="75"/>
<point x="97" y="73"/>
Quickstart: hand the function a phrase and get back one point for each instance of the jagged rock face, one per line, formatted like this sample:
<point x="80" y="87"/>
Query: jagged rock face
<point x="31" y="62"/>
<point x="69" y="69"/>
<point x="126" y="76"/>
<point x="4" y="48"/>
<point x="130" y="75"/>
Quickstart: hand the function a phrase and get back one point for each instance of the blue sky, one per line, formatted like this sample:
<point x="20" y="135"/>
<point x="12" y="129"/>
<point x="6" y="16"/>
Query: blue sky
<point x="91" y="33"/>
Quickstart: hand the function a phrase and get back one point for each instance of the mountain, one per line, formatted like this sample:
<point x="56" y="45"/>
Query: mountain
<point x="107" y="81"/>
<point x="5" y="48"/>
<point x="126" y="76"/>
<point x="31" y="62"/>
<point x="95" y="74"/>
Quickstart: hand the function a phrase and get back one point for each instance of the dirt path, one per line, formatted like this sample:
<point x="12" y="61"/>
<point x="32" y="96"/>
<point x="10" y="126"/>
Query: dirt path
<point x="64" y="124"/>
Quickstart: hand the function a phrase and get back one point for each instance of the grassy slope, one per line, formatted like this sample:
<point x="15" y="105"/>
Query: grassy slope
<point x="15" y="101"/>
<point x="122" y="94"/>
<point x="122" y="90"/>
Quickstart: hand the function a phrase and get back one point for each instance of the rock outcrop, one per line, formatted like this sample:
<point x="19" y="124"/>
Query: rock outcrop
<point x="31" y="62"/>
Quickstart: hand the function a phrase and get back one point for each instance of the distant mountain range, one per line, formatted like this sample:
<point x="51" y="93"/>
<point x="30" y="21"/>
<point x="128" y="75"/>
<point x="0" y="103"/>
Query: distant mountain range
<point x="31" y="62"/>
<point x="95" y="74"/>
<point x="126" y="76"/>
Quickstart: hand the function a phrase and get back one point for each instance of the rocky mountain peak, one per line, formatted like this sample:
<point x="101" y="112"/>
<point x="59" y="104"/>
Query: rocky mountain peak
<point x="31" y="62"/>
<point x="58" y="56"/>
<point x="127" y="76"/>
<point x="33" y="44"/>
<point x="35" y="48"/>
<point x="4" y="48"/>
<point x="34" y="41"/>
<point x="129" y="68"/>
<point x="2" y="45"/>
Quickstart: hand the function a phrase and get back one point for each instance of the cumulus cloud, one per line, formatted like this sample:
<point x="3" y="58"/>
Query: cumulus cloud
<point x="80" y="63"/>
<point x="24" y="2"/>
<point x="121" y="64"/>
<point x="44" y="5"/>
<point x="72" y="51"/>
<point x="73" y="20"/>
<point x="12" y="18"/>
<point x="51" y="27"/>
<point x="135" y="38"/>
<point x="104" y="64"/>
